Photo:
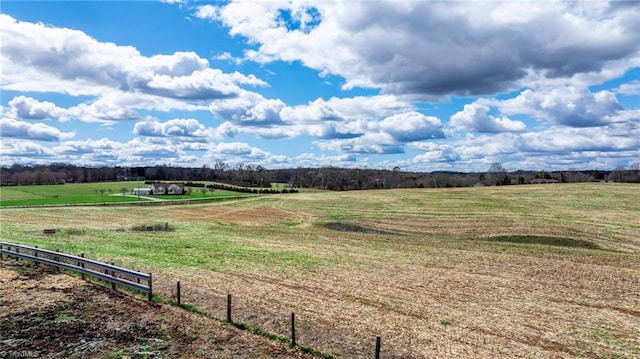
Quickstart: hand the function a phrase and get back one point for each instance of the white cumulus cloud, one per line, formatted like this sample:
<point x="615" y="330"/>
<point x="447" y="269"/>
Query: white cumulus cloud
<point x="567" y="106"/>
<point x="183" y="128"/>
<point x="36" y="57"/>
<point x="412" y="126"/>
<point x="28" y="108"/>
<point x="436" y="48"/>
<point x="11" y="128"/>
<point x="475" y="116"/>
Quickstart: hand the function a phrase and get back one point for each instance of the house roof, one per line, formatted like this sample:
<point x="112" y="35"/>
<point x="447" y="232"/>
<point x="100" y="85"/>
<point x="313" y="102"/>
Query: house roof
<point x="166" y="185"/>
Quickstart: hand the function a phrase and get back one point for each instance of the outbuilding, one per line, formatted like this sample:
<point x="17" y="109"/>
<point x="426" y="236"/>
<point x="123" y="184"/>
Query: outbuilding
<point x="141" y="191"/>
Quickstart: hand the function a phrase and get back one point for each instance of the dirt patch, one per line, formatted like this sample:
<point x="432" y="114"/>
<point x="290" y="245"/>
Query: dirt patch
<point x="23" y="290"/>
<point x="545" y="240"/>
<point x="61" y="316"/>
<point x="356" y="228"/>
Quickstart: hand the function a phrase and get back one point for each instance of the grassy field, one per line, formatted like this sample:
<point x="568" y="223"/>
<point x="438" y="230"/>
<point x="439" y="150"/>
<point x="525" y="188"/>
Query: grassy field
<point x="93" y="193"/>
<point x="519" y="271"/>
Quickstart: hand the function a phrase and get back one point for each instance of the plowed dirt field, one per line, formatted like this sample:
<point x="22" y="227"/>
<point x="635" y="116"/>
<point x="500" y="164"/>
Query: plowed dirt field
<point x="48" y="314"/>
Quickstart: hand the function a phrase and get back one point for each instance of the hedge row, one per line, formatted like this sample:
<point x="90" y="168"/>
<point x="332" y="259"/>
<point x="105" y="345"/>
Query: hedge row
<point x="234" y="188"/>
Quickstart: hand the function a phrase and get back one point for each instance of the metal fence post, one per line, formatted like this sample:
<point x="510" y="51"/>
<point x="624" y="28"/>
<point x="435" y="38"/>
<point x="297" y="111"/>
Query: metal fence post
<point x="229" y="308"/>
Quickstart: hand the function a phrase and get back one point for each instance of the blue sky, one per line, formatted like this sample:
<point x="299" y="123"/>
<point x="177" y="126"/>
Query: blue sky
<point x="420" y="85"/>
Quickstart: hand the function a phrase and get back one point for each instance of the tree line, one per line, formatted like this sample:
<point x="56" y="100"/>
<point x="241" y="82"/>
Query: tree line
<point x="329" y="178"/>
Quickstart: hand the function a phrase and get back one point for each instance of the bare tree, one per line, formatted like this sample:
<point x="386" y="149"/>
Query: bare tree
<point x="496" y="174"/>
<point x="260" y="172"/>
<point x="618" y="174"/>
<point x="219" y="168"/>
<point x="205" y="173"/>
<point x="397" y="176"/>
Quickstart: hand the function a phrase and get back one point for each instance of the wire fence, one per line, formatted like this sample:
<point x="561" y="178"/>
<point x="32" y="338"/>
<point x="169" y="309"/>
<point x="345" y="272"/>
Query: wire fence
<point x="322" y="336"/>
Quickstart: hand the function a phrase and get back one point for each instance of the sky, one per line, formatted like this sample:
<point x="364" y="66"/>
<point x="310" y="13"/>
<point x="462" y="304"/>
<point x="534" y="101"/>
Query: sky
<point x="419" y="85"/>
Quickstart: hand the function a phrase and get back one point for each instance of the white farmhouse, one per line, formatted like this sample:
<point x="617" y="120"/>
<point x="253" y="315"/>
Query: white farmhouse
<point x="167" y="188"/>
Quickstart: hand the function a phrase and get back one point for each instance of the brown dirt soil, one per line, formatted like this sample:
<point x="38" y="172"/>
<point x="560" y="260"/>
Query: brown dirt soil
<point x="488" y="307"/>
<point x="45" y="313"/>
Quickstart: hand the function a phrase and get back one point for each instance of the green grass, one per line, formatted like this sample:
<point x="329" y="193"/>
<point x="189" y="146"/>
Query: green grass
<point x="344" y="230"/>
<point x="66" y="190"/>
<point x="66" y="194"/>
<point x="71" y="200"/>
<point x="446" y="260"/>
<point x="185" y="247"/>
<point x="186" y="306"/>
<point x="95" y="193"/>
<point x="415" y="215"/>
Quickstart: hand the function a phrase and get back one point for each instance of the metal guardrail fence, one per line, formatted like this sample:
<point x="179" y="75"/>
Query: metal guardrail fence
<point x="113" y="274"/>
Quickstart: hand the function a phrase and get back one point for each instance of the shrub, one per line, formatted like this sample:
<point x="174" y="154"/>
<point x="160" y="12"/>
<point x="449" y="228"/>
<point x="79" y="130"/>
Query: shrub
<point x="158" y="227"/>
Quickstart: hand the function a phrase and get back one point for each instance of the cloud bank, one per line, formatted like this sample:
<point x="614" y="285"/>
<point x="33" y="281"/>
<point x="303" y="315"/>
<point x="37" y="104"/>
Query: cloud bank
<point x="421" y="85"/>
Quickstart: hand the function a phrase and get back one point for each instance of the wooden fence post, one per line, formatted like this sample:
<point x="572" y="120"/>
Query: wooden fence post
<point x="58" y="259"/>
<point x="229" y="308"/>
<point x="377" y="347"/>
<point x="150" y="288"/>
<point x="113" y="274"/>
<point x="293" y="329"/>
<point x="36" y="253"/>
<point x="178" y="292"/>
<point x="82" y="265"/>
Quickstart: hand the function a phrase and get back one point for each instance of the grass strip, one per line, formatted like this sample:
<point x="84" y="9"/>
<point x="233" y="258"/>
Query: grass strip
<point x="278" y="338"/>
<point x="188" y="307"/>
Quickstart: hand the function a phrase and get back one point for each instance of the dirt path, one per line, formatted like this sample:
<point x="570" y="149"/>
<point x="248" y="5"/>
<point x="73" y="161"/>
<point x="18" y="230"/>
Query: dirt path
<point x="152" y="199"/>
<point x="44" y="313"/>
